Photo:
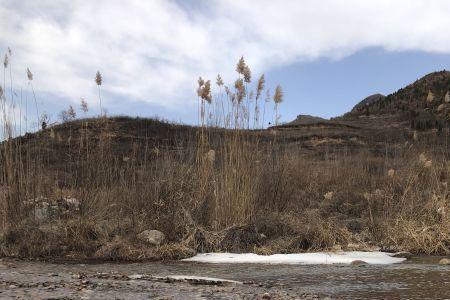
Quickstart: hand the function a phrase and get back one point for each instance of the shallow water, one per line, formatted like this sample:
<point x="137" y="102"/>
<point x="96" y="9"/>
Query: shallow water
<point x="418" y="278"/>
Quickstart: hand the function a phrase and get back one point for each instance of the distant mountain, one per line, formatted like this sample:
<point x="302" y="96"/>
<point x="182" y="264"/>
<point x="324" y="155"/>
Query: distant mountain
<point x="307" y="120"/>
<point x="368" y="101"/>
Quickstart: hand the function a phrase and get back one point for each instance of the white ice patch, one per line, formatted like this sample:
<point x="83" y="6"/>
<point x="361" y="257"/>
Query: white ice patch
<point x="201" y="278"/>
<point x="182" y="278"/>
<point x="376" y="258"/>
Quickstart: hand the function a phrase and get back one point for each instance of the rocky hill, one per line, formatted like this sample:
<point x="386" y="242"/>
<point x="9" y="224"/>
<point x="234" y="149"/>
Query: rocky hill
<point x="367" y="102"/>
<point x="424" y="103"/>
<point x="307" y="120"/>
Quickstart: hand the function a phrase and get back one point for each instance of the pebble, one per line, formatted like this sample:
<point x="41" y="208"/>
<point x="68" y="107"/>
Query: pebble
<point x="358" y="263"/>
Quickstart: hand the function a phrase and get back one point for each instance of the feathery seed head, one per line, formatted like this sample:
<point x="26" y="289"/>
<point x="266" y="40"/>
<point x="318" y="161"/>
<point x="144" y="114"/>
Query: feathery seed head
<point x="240" y="67"/>
<point x="267" y="96"/>
<point x="84" y="105"/>
<point x="6" y="61"/>
<point x="278" y="96"/>
<point x="200" y="81"/>
<point x="71" y="113"/>
<point x="247" y="74"/>
<point x="29" y="74"/>
<point x="422" y="158"/>
<point x="211" y="155"/>
<point x="391" y="173"/>
<point x="219" y="80"/>
<point x="239" y="86"/>
<point x="260" y="88"/>
<point x="328" y="195"/>
<point x="206" y="92"/>
<point x="98" y="78"/>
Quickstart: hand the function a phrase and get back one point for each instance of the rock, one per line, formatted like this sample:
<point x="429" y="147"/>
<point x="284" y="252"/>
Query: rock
<point x="68" y="203"/>
<point x="153" y="237"/>
<point x="41" y="213"/>
<point x="445" y="262"/>
<point x="358" y="263"/>
<point x="266" y="296"/>
<point x="403" y="254"/>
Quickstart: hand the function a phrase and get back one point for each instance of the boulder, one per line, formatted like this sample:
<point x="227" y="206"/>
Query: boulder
<point x="445" y="262"/>
<point x="152" y="237"/>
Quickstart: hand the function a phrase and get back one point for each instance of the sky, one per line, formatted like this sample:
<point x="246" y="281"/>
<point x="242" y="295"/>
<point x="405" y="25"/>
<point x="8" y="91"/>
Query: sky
<point x="327" y="55"/>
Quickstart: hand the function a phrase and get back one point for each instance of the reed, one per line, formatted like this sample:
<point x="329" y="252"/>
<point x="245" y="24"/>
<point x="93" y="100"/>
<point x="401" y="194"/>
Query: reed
<point x="89" y="186"/>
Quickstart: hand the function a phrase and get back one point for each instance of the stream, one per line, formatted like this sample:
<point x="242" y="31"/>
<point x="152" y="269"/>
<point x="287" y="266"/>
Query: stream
<point x="417" y="278"/>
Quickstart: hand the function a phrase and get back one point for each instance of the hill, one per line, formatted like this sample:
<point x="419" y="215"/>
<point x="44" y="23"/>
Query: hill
<point x="367" y="102"/>
<point x="425" y="104"/>
<point x="307" y="120"/>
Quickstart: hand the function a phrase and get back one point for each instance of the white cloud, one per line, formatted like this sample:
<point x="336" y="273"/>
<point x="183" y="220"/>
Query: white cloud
<point x="153" y="51"/>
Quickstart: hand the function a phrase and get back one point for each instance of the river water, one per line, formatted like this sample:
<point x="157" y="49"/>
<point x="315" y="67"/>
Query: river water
<point x="417" y="278"/>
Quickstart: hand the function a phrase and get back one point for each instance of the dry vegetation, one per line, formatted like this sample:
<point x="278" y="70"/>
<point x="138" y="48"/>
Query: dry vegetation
<point x="88" y="187"/>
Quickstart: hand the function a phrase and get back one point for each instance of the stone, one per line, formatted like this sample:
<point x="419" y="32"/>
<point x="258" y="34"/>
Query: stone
<point x="445" y="262"/>
<point x="41" y="213"/>
<point x="403" y="254"/>
<point x="358" y="263"/>
<point x="152" y="237"/>
<point x="266" y="296"/>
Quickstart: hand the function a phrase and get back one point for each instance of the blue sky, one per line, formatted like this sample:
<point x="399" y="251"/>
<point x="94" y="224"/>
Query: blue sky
<point x="329" y="88"/>
<point x="327" y="55"/>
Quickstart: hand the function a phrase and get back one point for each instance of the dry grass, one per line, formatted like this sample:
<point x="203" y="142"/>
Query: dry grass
<point x="204" y="187"/>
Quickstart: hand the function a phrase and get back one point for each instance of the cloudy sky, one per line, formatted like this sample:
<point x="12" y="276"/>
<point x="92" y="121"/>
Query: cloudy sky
<point x="326" y="54"/>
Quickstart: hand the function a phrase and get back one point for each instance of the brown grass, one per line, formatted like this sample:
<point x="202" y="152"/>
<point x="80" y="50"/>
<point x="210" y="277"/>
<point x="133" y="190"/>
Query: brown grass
<point x="275" y="190"/>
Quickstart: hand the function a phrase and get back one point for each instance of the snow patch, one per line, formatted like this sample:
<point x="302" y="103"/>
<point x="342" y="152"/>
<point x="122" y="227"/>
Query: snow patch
<point x="183" y="278"/>
<point x="201" y="278"/>
<point x="376" y="258"/>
